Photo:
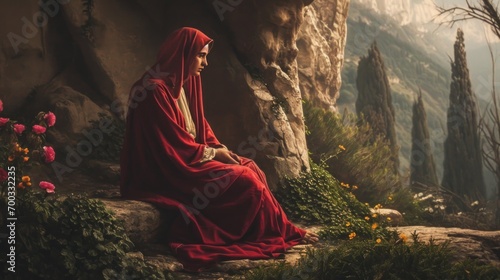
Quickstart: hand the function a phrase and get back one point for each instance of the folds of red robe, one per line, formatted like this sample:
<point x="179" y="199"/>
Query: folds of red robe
<point x="224" y="211"/>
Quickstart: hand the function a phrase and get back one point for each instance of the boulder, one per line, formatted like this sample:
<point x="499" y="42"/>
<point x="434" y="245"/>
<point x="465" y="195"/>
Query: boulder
<point x="393" y="217"/>
<point x="143" y="222"/>
<point x="74" y="112"/>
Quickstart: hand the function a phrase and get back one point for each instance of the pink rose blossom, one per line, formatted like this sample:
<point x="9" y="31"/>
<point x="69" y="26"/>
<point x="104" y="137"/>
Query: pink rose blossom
<point x="38" y="129"/>
<point x="47" y="186"/>
<point x="3" y="175"/>
<point x="1" y="105"/>
<point x="3" y="121"/>
<point x="50" y="119"/>
<point x="49" y="154"/>
<point x="19" y="128"/>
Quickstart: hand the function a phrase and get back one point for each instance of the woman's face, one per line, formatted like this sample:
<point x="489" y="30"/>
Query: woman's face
<point x="199" y="62"/>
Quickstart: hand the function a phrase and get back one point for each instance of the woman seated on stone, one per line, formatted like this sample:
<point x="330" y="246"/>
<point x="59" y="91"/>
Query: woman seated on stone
<point x="172" y="158"/>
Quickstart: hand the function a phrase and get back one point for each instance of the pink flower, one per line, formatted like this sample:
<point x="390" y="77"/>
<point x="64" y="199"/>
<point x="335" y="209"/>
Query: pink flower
<point x="50" y="119"/>
<point x="38" y="129"/>
<point x="3" y="121"/>
<point x="3" y="175"/>
<point x="1" y="105"/>
<point x="49" y="154"/>
<point x="47" y="186"/>
<point x="19" y="128"/>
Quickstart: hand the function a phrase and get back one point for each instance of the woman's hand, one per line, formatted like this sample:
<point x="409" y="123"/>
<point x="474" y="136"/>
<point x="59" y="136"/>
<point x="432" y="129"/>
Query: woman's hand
<point x="226" y="156"/>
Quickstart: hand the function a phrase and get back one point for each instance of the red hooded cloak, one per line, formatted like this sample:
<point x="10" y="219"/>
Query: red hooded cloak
<point x="226" y="211"/>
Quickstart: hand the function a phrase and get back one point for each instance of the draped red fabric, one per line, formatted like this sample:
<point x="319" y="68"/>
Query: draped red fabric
<point x="223" y="211"/>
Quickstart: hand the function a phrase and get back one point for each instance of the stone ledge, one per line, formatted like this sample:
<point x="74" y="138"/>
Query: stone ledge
<point x="464" y="243"/>
<point x="143" y="222"/>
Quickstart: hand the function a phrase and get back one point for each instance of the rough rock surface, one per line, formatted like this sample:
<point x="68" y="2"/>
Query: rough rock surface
<point x="464" y="243"/>
<point x="394" y="217"/>
<point x="26" y="59"/>
<point x="321" y="42"/>
<point x="253" y="65"/>
<point x="142" y="221"/>
<point x="74" y="112"/>
<point x="121" y="45"/>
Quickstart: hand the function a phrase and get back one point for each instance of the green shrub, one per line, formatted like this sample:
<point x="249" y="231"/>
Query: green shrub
<point x="389" y="259"/>
<point x="361" y="162"/>
<point x="316" y="197"/>
<point x="72" y="238"/>
<point x="355" y="159"/>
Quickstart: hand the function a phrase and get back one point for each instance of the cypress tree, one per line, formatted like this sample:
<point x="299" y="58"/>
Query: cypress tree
<point x="423" y="169"/>
<point x="463" y="161"/>
<point x="374" y="102"/>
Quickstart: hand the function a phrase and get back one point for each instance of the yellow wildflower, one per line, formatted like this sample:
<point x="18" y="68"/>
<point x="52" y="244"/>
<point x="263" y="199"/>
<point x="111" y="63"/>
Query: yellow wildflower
<point x="367" y="218"/>
<point x="352" y="235"/>
<point x="403" y="237"/>
<point x="26" y="150"/>
<point x="378" y="206"/>
<point x="374" y="226"/>
<point x="25" y="179"/>
<point x="348" y="224"/>
<point x="342" y="147"/>
<point x="354" y="187"/>
<point x="25" y="159"/>
<point x="374" y="215"/>
<point x="19" y="149"/>
<point x="21" y="185"/>
<point x="11" y="158"/>
<point x="378" y="240"/>
<point x="389" y="219"/>
<point x="390" y="198"/>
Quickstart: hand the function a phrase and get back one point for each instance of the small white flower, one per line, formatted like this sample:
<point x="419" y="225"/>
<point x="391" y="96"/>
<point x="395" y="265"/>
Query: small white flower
<point x="426" y="197"/>
<point x="420" y="194"/>
<point x="442" y="207"/>
<point x="459" y="213"/>
<point x="474" y="203"/>
<point x="439" y="200"/>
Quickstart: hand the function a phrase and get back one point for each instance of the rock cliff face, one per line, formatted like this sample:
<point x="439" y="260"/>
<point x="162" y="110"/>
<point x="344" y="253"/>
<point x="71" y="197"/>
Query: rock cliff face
<point x="321" y="44"/>
<point x="80" y="61"/>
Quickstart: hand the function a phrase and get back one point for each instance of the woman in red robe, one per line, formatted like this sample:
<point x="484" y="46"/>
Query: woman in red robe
<point x="171" y="158"/>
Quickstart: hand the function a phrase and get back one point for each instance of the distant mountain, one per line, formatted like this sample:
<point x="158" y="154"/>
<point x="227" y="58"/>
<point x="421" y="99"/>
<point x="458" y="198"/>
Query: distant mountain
<point x="403" y="11"/>
<point x="413" y="63"/>
<point x="417" y="56"/>
<point x="422" y="15"/>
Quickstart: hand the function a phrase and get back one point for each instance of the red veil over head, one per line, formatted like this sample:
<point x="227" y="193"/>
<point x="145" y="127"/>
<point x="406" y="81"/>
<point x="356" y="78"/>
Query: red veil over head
<point x="222" y="211"/>
<point x="177" y="52"/>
